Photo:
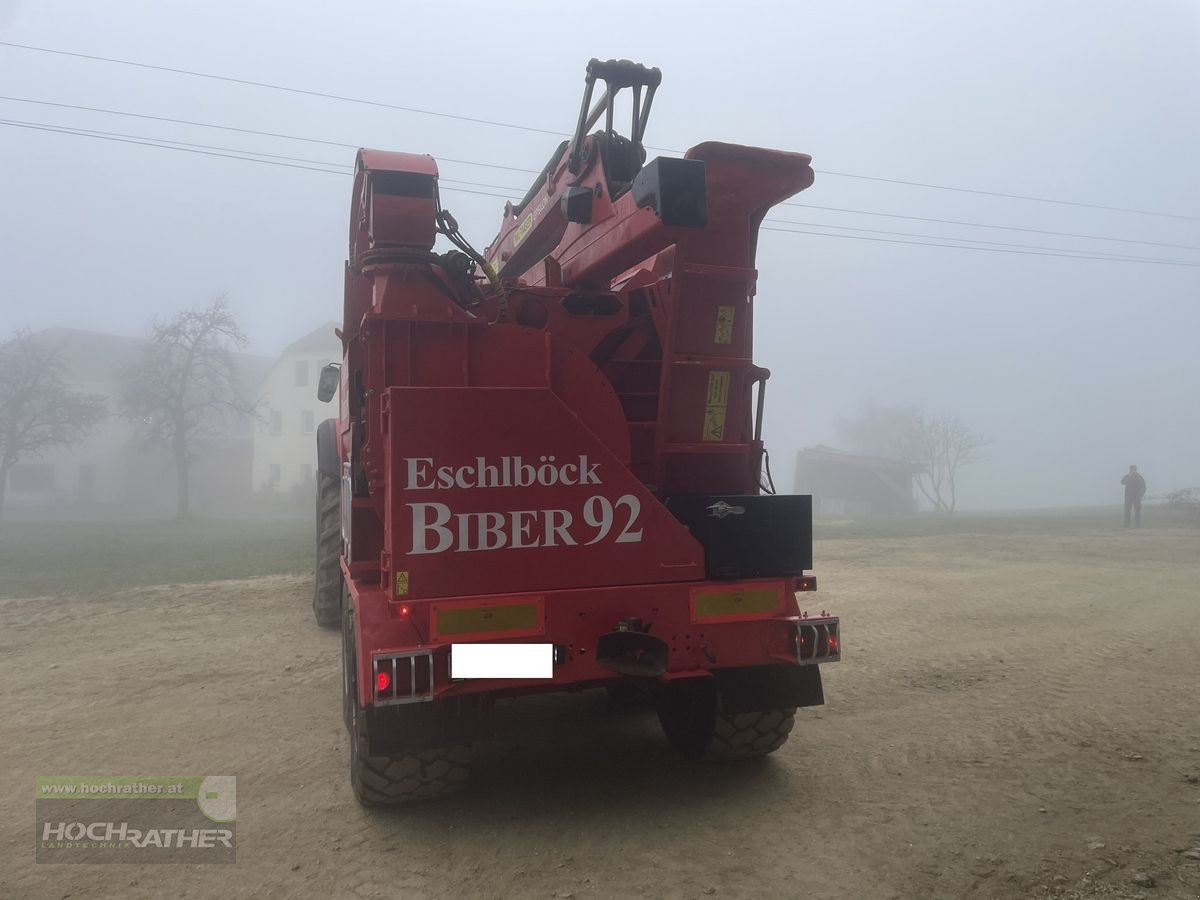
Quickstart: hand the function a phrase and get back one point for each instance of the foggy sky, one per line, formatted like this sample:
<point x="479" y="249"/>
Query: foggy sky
<point x="1074" y="368"/>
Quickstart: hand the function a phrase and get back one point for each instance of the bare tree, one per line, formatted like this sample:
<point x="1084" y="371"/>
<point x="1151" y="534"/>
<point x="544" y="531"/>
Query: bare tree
<point x="938" y="447"/>
<point x="941" y="446"/>
<point x="185" y="389"/>
<point x="37" y="408"/>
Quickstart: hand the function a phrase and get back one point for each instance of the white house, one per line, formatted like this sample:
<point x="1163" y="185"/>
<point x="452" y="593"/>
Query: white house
<point x="111" y="471"/>
<point x="285" y="443"/>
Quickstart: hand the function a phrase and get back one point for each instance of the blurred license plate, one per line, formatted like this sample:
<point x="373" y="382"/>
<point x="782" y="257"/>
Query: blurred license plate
<point x="501" y="660"/>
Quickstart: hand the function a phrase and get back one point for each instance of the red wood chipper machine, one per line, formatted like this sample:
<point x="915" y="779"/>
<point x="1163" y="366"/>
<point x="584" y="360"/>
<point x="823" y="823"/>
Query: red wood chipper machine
<point x="547" y="469"/>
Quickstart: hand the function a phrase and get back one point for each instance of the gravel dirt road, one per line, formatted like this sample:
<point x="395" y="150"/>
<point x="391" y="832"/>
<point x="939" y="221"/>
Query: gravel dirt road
<point x="1016" y="715"/>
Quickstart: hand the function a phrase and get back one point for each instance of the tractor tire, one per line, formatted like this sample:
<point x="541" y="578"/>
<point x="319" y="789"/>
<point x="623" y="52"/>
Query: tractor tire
<point x="694" y="724"/>
<point x="631" y="695"/>
<point x="327" y="580"/>
<point x="393" y="780"/>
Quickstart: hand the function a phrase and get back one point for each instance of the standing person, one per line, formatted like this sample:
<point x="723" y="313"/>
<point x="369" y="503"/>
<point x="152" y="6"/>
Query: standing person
<point x="1135" y="489"/>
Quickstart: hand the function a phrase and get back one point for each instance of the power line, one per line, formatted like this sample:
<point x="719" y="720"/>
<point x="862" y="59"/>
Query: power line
<point x="104" y="137"/>
<point x="942" y="237"/>
<point x="162" y="145"/>
<point x="238" y="155"/>
<point x="282" y="87"/>
<point x="337" y="168"/>
<point x="341" y="168"/>
<point x="270" y="134"/>
<point x="857" y="237"/>
<point x="466" y="162"/>
<point x="963" y="190"/>
<point x="532" y="129"/>
<point x="1092" y="237"/>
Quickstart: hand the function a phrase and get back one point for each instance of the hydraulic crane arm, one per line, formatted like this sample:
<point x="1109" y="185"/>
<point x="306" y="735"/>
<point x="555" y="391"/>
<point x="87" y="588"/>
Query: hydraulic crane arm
<point x="586" y="175"/>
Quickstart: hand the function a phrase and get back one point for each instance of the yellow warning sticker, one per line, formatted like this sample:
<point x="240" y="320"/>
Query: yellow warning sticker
<point x="714" y="423"/>
<point x="718" y="388"/>
<point x="724" y="333"/>
<point x="401" y="584"/>
<point x="715" y="404"/>
<point x="522" y="231"/>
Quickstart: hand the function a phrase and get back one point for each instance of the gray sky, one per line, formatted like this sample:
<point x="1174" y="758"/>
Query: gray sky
<point x="1075" y="368"/>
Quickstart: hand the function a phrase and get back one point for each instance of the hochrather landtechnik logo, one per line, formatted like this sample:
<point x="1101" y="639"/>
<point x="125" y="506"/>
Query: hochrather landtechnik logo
<point x="136" y="819"/>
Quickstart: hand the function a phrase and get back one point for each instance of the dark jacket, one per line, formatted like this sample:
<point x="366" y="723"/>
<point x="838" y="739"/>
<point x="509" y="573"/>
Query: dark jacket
<point x="1135" y="486"/>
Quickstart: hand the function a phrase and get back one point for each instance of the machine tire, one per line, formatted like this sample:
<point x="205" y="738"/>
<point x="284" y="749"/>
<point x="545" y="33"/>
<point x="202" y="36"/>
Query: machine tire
<point x="393" y="780"/>
<point x="695" y="726"/>
<point x="631" y="695"/>
<point x="327" y="580"/>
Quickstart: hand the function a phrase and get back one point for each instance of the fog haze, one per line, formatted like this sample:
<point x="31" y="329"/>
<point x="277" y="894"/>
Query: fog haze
<point x="1073" y="368"/>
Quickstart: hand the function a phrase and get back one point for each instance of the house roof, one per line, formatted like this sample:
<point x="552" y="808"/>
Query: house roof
<point x="322" y="338"/>
<point x="844" y="457"/>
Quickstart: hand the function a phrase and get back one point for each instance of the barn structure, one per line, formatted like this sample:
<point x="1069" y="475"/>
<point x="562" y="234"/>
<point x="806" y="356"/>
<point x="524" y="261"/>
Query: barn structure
<point x="850" y="484"/>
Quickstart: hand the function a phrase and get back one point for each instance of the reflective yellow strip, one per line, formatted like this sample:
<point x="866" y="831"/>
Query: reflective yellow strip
<point x="733" y="603"/>
<point x="486" y="619"/>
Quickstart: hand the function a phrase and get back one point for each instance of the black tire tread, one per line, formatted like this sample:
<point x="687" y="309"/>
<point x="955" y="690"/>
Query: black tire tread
<point x="747" y="735"/>
<point x="327" y="581"/>
<point x="393" y="780"/>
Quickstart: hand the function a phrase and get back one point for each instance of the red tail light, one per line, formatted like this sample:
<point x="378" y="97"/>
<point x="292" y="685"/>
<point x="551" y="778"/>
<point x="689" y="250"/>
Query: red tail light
<point x="817" y="640"/>
<point x="383" y="681"/>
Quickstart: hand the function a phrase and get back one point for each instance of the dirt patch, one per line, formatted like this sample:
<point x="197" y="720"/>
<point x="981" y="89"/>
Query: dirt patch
<point x="1015" y="716"/>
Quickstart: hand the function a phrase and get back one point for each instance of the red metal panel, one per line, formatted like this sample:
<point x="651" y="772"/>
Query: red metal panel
<point x="575" y="619"/>
<point x="504" y="489"/>
<point x="389" y="161"/>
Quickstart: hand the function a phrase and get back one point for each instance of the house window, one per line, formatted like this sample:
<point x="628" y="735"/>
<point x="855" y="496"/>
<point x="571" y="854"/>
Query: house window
<point x="306" y="422"/>
<point x="305" y="473"/>
<point x="32" y="477"/>
<point x="302" y="373"/>
<point x="273" y="475"/>
<point x="277" y="421"/>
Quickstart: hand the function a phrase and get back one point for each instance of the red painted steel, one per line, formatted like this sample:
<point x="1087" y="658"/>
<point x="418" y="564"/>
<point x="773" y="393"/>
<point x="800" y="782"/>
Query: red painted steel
<point x="513" y="436"/>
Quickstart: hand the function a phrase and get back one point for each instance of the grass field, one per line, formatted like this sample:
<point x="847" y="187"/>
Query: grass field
<point x="38" y="558"/>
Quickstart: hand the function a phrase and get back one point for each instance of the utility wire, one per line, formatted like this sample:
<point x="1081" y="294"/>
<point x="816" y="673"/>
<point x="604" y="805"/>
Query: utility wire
<point x="281" y="87"/>
<point x="344" y="172"/>
<point x="963" y="190"/>
<point x="467" y="162"/>
<point x="1091" y="237"/>
<point x="555" y="133"/>
<point x="858" y="237"/>
<point x="943" y="237"/>
<point x="270" y="134"/>
<point x="337" y="168"/>
<point x="318" y="167"/>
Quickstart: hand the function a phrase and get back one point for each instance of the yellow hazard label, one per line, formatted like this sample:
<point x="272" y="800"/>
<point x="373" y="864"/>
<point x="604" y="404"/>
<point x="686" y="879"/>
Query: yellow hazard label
<point x="714" y="423"/>
<point x="718" y="388"/>
<point x="522" y="231"/>
<point x="724" y="333"/>
<point x="401" y="584"/>
<point x="715" y="404"/>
